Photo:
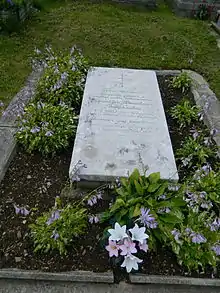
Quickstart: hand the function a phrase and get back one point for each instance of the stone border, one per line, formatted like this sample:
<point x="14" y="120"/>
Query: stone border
<point x="74" y="276"/>
<point x="7" y="129"/>
<point x="173" y="280"/>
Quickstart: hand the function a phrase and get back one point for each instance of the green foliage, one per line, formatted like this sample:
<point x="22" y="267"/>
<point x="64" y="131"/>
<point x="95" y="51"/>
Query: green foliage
<point x="46" y="128"/>
<point x="204" y="11"/>
<point x="63" y="78"/>
<point x="195" y="152"/>
<point x="152" y="193"/>
<point x="195" y="256"/>
<point x="208" y="182"/>
<point x="51" y="232"/>
<point x="182" y="81"/>
<point x="185" y="113"/>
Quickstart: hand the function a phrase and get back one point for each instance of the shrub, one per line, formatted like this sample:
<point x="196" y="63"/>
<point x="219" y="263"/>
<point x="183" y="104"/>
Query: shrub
<point x="46" y="128"/>
<point x="58" y="228"/>
<point x="63" y="78"/>
<point x="182" y="81"/>
<point x="185" y="113"/>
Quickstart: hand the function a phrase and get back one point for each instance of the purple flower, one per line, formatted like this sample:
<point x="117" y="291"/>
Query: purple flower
<point x="195" y="133"/>
<point x="99" y="195"/>
<point x="49" y="133"/>
<point x="176" y="234"/>
<point x="215" y="225"/>
<point x="64" y="76"/>
<point x="22" y="211"/>
<point x="128" y="247"/>
<point x="55" y="235"/>
<point x="163" y="196"/>
<point x="90" y="203"/>
<point x="207" y="141"/>
<point x="44" y="124"/>
<point x="93" y="219"/>
<point x="40" y="105"/>
<point x="10" y="2"/>
<point x="206" y="205"/>
<point x="54" y="216"/>
<point x="198" y="238"/>
<point x="216" y="249"/>
<point x="164" y="210"/>
<point x="94" y="199"/>
<point x="35" y="129"/>
<point x="1" y="104"/>
<point x="206" y="168"/>
<point x="147" y="219"/>
<point x="188" y="231"/>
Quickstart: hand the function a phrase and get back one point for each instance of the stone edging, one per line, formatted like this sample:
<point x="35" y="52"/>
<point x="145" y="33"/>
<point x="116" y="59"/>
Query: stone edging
<point x="173" y="280"/>
<point x="75" y="276"/>
<point x="7" y="129"/>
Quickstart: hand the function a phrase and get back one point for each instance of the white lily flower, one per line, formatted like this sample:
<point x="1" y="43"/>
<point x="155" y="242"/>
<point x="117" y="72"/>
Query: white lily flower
<point x="118" y="233"/>
<point x="131" y="262"/>
<point x="138" y="234"/>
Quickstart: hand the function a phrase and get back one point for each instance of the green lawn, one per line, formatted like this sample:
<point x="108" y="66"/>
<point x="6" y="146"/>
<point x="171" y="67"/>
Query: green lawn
<point x="111" y="35"/>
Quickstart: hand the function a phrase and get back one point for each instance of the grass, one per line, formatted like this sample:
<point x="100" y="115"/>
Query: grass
<point x="111" y="35"/>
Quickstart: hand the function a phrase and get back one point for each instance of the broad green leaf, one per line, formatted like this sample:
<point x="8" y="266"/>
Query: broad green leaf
<point x="153" y="187"/>
<point x="137" y="211"/>
<point x="124" y="182"/>
<point x="154" y="177"/>
<point x="131" y="211"/>
<point x="177" y="202"/>
<point x="139" y="188"/>
<point x="117" y="205"/>
<point x="169" y="218"/>
<point x="134" y="201"/>
<point x="162" y="189"/>
<point x="135" y="175"/>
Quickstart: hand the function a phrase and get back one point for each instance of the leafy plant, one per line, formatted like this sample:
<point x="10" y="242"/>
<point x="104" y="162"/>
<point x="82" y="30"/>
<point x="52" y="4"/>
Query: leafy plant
<point x="194" y="152"/>
<point x="195" y="243"/>
<point x="58" y="228"/>
<point x="63" y="78"/>
<point x="185" y="113"/>
<point x="203" y="12"/>
<point x="182" y="81"/>
<point x="149" y="200"/>
<point x="45" y="128"/>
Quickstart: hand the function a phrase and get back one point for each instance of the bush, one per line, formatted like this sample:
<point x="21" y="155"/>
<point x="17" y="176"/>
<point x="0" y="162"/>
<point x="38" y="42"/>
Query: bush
<point x="57" y="229"/>
<point x="63" y="78"/>
<point x="46" y="128"/>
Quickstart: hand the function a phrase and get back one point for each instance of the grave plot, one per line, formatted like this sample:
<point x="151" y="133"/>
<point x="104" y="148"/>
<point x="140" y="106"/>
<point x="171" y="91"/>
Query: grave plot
<point x="128" y="119"/>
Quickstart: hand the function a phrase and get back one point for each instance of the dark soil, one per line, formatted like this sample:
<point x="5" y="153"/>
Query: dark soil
<point x="33" y="181"/>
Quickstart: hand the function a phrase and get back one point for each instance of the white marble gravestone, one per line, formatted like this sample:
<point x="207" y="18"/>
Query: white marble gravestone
<point x="122" y="126"/>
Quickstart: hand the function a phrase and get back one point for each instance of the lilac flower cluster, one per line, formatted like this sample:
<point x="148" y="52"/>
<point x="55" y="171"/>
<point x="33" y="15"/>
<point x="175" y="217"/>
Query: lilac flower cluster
<point x="55" y="215"/>
<point x="126" y="243"/>
<point x="196" y="238"/>
<point x="147" y="219"/>
<point x="94" y="199"/>
<point x="164" y="210"/>
<point x="196" y="200"/>
<point x="93" y="219"/>
<point x="204" y="171"/>
<point x="21" y="210"/>
<point x="216" y="249"/>
<point x="55" y="235"/>
<point x="215" y="225"/>
<point x="76" y="171"/>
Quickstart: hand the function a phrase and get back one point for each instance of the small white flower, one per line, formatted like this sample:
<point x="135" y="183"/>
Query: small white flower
<point x="131" y="262"/>
<point x="118" y="233"/>
<point x="138" y="234"/>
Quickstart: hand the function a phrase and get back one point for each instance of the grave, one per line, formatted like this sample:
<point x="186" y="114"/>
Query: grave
<point x="122" y="126"/>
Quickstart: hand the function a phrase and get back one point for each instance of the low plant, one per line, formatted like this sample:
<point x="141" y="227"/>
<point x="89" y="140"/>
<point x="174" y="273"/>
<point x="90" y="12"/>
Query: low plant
<point x="195" y="243"/>
<point x="63" y="78"/>
<point x="58" y="228"/>
<point x="194" y="152"/>
<point x="185" y="113"/>
<point x="148" y="200"/>
<point x="204" y="11"/>
<point x="182" y="82"/>
<point x="45" y="128"/>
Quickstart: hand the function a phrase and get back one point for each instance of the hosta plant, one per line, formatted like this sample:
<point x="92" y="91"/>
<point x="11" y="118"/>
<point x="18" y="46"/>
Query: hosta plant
<point x="182" y="82"/>
<point x="185" y="114"/>
<point x="58" y="228"/>
<point x="46" y="128"/>
<point x="63" y="78"/>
